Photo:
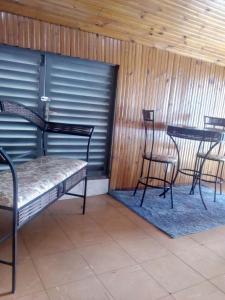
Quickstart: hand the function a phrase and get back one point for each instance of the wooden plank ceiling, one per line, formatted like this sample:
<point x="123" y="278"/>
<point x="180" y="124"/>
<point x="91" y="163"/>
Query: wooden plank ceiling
<point x="194" y="28"/>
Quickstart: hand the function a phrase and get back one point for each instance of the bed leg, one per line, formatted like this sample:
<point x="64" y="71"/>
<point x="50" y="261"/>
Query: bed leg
<point x="14" y="250"/>
<point x="85" y="194"/>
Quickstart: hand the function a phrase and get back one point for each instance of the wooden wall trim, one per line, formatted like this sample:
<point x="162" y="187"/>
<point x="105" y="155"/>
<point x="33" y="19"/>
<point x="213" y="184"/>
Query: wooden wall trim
<point x="181" y="89"/>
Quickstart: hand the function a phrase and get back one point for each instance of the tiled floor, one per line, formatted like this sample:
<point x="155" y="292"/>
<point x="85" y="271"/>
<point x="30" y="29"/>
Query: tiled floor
<point x="111" y="253"/>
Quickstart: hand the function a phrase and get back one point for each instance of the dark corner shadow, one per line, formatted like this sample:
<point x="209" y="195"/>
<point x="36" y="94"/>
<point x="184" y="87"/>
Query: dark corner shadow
<point x="5" y="294"/>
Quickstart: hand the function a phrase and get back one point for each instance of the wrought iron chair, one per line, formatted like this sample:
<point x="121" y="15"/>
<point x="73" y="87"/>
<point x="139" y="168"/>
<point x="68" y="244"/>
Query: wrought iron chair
<point x="150" y="157"/>
<point x="218" y="156"/>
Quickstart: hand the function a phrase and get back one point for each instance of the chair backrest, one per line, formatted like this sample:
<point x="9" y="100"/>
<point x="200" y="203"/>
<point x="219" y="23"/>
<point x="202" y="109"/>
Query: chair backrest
<point x="12" y="108"/>
<point x="149" y="125"/>
<point x="215" y="123"/>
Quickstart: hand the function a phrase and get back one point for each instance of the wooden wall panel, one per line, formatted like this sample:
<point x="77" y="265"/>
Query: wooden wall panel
<point x="180" y="89"/>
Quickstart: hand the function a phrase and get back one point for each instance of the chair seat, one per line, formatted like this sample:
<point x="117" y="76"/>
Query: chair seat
<point x="214" y="157"/>
<point x="36" y="177"/>
<point x="161" y="158"/>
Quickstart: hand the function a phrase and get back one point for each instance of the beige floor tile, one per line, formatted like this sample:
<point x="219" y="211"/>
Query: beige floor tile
<point x="153" y="231"/>
<point x="62" y="268"/>
<point x="47" y="242"/>
<point x="109" y="199"/>
<point x="104" y="215"/>
<point x="203" y="260"/>
<point x="170" y="297"/>
<point x="126" y="234"/>
<point x="82" y="237"/>
<point x="82" y="230"/>
<point x="217" y="246"/>
<point x="121" y="228"/>
<point x="119" y="223"/>
<point x="44" y="222"/>
<point x="172" y="273"/>
<point x="106" y="257"/>
<point x="221" y="229"/>
<point x="143" y="249"/>
<point x="211" y="235"/>
<point x="88" y="289"/>
<point x="135" y="218"/>
<point x="75" y="221"/>
<point x="219" y="281"/>
<point x="28" y="280"/>
<point x="6" y="250"/>
<point x="132" y="283"/>
<point x="97" y="203"/>
<point x="32" y="296"/>
<point x="203" y="291"/>
<point x="35" y="296"/>
<point x="67" y="206"/>
<point x="178" y="244"/>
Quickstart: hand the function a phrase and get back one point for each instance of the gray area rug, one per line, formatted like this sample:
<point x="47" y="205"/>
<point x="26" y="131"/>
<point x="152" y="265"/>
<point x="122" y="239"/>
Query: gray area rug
<point x="188" y="215"/>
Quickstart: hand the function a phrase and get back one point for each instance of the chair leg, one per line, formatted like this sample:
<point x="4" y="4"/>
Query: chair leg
<point x="171" y="187"/>
<point x="216" y="179"/>
<point x="147" y="177"/>
<point x="221" y="174"/>
<point x="134" y="193"/>
<point x="142" y="167"/>
<point x="195" y="176"/>
<point x="164" y="183"/>
<point x="85" y="195"/>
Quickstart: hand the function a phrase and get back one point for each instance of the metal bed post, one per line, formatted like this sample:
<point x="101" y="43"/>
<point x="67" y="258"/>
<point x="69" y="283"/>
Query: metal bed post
<point x="91" y="129"/>
<point x="5" y="159"/>
<point x="85" y="180"/>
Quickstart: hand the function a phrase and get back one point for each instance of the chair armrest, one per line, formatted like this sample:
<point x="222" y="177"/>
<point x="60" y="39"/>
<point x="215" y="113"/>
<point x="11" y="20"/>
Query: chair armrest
<point x="74" y="129"/>
<point x="5" y="159"/>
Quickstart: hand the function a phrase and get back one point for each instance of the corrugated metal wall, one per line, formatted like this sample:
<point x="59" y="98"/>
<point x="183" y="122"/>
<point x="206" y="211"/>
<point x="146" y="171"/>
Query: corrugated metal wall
<point x="181" y="89"/>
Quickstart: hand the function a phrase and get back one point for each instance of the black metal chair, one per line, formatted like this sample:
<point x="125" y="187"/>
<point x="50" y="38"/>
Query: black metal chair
<point x="218" y="156"/>
<point x="150" y="157"/>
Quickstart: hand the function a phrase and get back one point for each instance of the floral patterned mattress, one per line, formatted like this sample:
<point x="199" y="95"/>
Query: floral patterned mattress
<point x="37" y="177"/>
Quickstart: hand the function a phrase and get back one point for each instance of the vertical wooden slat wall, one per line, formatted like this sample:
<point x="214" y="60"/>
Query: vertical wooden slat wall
<point x="180" y="89"/>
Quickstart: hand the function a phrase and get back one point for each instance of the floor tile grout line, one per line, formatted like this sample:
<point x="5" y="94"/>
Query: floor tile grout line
<point x="193" y="268"/>
<point x="49" y="254"/>
<point x="105" y="287"/>
<point x="213" y="252"/>
<point x="96" y="275"/>
<point x="78" y="247"/>
<point x="42" y="282"/>
<point x="215" y="284"/>
<point x="36" y="271"/>
<point x="150" y="259"/>
<point x="123" y="268"/>
<point x="73" y="282"/>
<point x="131" y="257"/>
<point x="58" y="252"/>
<point x="93" y="246"/>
